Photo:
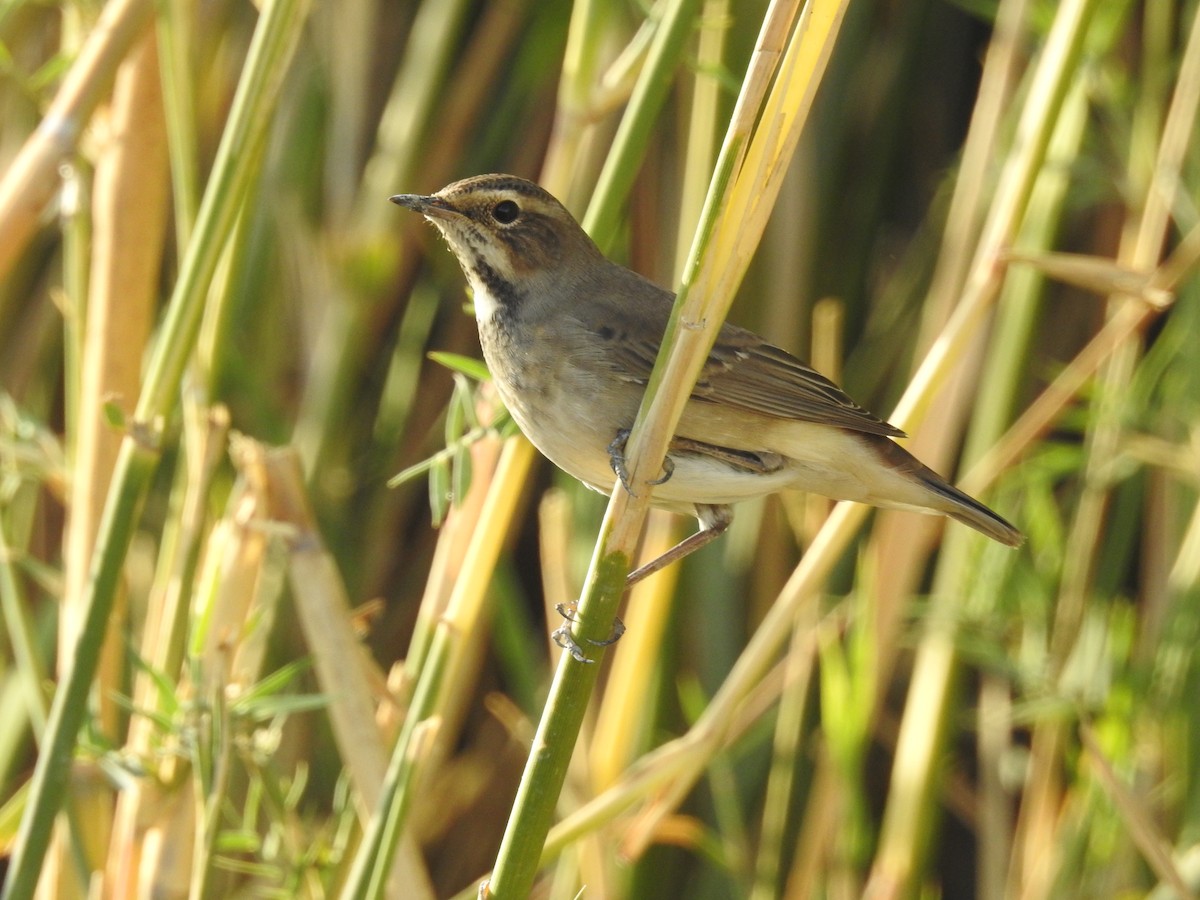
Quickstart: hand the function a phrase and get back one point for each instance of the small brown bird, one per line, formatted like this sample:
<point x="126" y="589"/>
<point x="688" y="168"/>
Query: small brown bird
<point x="570" y="338"/>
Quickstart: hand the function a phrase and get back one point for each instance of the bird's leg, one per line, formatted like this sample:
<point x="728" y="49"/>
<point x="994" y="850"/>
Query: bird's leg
<point x="758" y="463"/>
<point x="713" y="522"/>
<point x="714" y="518"/>
<point x="616" y="459"/>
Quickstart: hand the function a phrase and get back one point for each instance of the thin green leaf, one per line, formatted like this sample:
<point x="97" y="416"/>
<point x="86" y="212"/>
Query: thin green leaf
<point x="474" y="369"/>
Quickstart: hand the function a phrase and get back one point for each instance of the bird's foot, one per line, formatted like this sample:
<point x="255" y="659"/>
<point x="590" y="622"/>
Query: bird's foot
<point x="616" y="459"/>
<point x="563" y="638"/>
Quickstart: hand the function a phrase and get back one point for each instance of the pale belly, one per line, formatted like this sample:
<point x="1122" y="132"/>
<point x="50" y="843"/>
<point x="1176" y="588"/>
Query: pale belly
<point x="571" y="428"/>
<point x="566" y="415"/>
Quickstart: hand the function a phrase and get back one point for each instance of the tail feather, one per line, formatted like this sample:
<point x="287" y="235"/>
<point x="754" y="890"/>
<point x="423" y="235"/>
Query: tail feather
<point x="945" y="498"/>
<point x="966" y="509"/>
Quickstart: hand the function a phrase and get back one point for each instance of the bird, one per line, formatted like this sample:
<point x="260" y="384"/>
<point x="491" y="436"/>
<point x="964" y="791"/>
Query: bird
<point x="570" y="338"/>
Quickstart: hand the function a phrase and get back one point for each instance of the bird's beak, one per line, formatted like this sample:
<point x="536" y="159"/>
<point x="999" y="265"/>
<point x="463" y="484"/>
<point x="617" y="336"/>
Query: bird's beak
<point x="432" y="207"/>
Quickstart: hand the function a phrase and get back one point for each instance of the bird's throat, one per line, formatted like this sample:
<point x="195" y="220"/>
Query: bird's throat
<point x="496" y="297"/>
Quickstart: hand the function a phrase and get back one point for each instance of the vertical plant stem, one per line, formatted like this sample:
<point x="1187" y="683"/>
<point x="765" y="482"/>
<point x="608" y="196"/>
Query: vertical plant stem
<point x="800" y="666"/>
<point x="537" y="796"/>
<point x="347" y="329"/>
<point x="47" y="789"/>
<point x="374" y="855"/>
<point x="174" y="28"/>
<point x="624" y="719"/>
<point x="270" y="52"/>
<point x="22" y="633"/>
<point x="129" y="216"/>
<point x="908" y="819"/>
<point x="649" y="93"/>
<point x="546" y="769"/>
<point x="581" y="61"/>
<point x="32" y="178"/>
<point x="1014" y="331"/>
<point x="733" y="220"/>
<point x="373" y="859"/>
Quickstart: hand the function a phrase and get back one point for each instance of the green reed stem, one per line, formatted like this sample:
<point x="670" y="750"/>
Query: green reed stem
<point x="270" y="52"/>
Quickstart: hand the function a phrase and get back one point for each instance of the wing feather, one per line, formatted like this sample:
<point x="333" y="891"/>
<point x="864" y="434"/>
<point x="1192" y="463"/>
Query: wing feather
<point x="742" y="371"/>
<point x="746" y="372"/>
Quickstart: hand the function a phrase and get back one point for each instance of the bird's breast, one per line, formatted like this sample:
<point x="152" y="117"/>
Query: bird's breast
<point x="571" y="408"/>
<point x="565" y="408"/>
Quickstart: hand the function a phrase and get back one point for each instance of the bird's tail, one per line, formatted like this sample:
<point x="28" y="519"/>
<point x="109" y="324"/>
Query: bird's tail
<point x="969" y="511"/>
<point x="949" y="500"/>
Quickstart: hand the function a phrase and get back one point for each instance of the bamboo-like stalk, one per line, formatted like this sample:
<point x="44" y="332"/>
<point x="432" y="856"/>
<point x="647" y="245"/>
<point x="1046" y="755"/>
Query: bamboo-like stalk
<point x="1140" y="251"/>
<point x="31" y="179"/>
<point x="903" y="838"/>
<point x="47" y="789"/>
<point x="449" y="126"/>
<point x="1103" y="798"/>
<point x="1017" y="315"/>
<point x="629" y="143"/>
<point x="373" y="856"/>
<point x="141" y="808"/>
<point x="624" y="720"/>
<point x="412" y="105"/>
<point x="174" y="27"/>
<point x="233" y="589"/>
<point x="1145" y="832"/>
<point x="1035" y="863"/>
<point x="373" y="859"/>
<point x="340" y="660"/>
<point x="902" y="547"/>
<point x="801" y="664"/>
<point x="746" y="181"/>
<point x="347" y="326"/>
<point x="129" y="216"/>
<point x="676" y="765"/>
<point x="270" y="52"/>
<point x="573" y="107"/>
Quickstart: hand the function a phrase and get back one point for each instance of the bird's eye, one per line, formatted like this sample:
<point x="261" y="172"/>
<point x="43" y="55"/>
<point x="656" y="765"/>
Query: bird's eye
<point x="505" y="212"/>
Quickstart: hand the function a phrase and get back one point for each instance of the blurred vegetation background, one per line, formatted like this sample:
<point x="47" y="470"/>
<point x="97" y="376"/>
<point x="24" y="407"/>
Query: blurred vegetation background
<point x="204" y="290"/>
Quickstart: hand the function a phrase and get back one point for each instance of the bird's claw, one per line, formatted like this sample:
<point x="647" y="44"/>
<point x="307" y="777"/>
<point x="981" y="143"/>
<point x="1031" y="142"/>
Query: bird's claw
<point x="668" y="471"/>
<point x="563" y="638"/>
<point x="616" y="459"/>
